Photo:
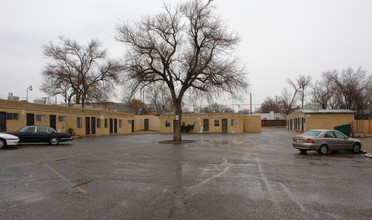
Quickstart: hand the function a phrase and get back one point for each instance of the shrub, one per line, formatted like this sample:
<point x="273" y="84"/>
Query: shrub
<point x="70" y="130"/>
<point x="187" y="128"/>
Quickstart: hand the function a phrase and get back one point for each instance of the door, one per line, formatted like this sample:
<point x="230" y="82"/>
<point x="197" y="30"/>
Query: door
<point x="146" y="124"/>
<point x="27" y="134"/>
<point x="93" y="125"/>
<point x="30" y="119"/>
<point x="206" y="125"/>
<point x="115" y="125"/>
<point x="224" y="125"/>
<point x="2" y="121"/>
<point x="111" y="126"/>
<point x="87" y="125"/>
<point x="42" y="134"/>
<point x="52" y="121"/>
<point x="331" y="140"/>
<point x="132" y="126"/>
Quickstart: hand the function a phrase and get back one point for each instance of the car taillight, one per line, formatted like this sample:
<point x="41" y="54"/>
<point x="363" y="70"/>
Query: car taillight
<point x="309" y="140"/>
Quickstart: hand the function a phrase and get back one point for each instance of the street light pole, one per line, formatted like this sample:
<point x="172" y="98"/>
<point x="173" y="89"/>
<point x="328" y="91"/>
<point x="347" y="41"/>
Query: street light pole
<point x="28" y="88"/>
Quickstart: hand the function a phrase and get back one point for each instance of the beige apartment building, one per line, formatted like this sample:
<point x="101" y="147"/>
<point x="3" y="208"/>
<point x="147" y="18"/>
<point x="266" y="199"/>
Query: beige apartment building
<point x="15" y="115"/>
<point x="304" y="120"/>
<point x="214" y="123"/>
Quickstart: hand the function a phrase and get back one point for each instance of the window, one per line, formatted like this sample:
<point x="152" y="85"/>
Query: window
<point x="216" y="123"/>
<point x="167" y="124"/>
<point x="195" y="124"/>
<point x="61" y="118"/>
<point x="340" y="135"/>
<point x="120" y="123"/>
<point x="329" y="134"/>
<point x="42" y="130"/>
<point x="106" y="123"/>
<point x="129" y="122"/>
<point x="233" y="122"/>
<point x="40" y="118"/>
<point x="12" y="116"/>
<point x="28" y="129"/>
<point x="98" y="122"/>
<point x="184" y="123"/>
<point x="79" y="122"/>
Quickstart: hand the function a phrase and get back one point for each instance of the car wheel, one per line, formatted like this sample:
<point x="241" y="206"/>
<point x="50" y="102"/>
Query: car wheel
<point x="303" y="151"/>
<point x="2" y="143"/>
<point x="54" y="141"/>
<point x="323" y="150"/>
<point x="356" y="148"/>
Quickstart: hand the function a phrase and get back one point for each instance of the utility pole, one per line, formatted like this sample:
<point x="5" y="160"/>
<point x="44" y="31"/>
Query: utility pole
<point x="250" y="102"/>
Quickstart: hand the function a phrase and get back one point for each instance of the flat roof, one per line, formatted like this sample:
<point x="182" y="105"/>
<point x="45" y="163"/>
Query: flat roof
<point x="327" y="111"/>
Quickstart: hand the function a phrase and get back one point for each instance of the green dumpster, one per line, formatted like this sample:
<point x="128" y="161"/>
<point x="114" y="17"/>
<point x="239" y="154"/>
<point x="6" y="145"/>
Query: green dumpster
<point x="344" y="129"/>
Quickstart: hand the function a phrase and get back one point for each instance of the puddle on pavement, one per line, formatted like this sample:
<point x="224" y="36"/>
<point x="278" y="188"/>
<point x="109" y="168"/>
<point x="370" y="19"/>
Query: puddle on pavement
<point x="231" y="143"/>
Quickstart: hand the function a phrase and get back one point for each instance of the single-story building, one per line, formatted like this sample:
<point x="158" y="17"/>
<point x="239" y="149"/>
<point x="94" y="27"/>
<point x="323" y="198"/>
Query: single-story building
<point x="15" y="115"/>
<point x="214" y="123"/>
<point x="307" y="119"/>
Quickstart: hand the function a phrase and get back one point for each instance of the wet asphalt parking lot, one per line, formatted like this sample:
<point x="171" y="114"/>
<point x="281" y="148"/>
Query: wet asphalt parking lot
<point x="219" y="176"/>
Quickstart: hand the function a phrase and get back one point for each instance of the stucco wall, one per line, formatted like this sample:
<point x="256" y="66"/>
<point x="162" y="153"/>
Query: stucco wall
<point x="153" y="120"/>
<point x="327" y="121"/>
<point x="252" y="123"/>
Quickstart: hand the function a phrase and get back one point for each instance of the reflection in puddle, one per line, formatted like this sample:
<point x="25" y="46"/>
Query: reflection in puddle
<point x="231" y="143"/>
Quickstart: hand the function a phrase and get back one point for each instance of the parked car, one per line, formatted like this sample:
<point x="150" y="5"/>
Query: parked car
<point x="8" y="139"/>
<point x="322" y="140"/>
<point x="41" y="134"/>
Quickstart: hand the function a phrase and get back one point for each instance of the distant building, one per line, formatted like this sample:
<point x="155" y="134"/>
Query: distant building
<point x="273" y="116"/>
<point x="307" y="119"/>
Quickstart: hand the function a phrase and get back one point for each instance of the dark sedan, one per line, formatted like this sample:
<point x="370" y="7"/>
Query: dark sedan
<point x="41" y="134"/>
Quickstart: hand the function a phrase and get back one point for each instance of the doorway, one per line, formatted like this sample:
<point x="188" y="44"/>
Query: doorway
<point x="206" y="125"/>
<point x="224" y="125"/>
<point x="30" y="119"/>
<point x="52" y="121"/>
<point x="146" y="124"/>
<point x="87" y="125"/>
<point x="2" y="121"/>
<point x="93" y="125"/>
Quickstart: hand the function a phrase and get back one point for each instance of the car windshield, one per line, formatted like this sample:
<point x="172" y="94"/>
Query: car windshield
<point x="311" y="133"/>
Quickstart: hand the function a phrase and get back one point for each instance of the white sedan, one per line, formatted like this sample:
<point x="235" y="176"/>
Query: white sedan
<point x="8" y="139"/>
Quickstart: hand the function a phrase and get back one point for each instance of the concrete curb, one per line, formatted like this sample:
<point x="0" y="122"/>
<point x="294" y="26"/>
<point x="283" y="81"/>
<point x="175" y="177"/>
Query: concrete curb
<point x="369" y="155"/>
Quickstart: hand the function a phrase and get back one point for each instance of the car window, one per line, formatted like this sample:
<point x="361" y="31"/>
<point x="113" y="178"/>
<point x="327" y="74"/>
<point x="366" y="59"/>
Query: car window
<point x="41" y="129"/>
<point x="329" y="134"/>
<point x="311" y="133"/>
<point x="28" y="129"/>
<point x="340" y="135"/>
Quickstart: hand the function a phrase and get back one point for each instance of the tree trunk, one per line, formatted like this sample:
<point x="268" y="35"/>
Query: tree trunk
<point x="177" y="122"/>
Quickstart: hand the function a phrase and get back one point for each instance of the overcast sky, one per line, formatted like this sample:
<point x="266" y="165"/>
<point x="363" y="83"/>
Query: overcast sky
<point x="281" y="38"/>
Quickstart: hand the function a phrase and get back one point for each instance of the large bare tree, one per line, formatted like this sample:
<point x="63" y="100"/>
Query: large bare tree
<point x="82" y="72"/>
<point x="159" y="98"/>
<point x="186" y="48"/>
<point x="348" y="89"/>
